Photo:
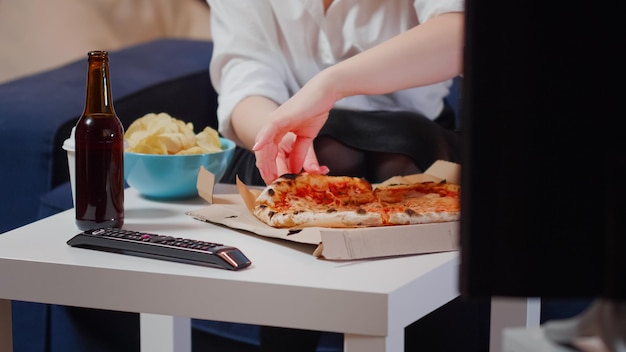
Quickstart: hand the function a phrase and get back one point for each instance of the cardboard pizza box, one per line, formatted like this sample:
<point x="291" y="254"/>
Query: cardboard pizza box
<point x="232" y="210"/>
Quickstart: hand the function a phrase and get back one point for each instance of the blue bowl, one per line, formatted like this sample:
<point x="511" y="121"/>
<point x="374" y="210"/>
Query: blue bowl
<point x="173" y="176"/>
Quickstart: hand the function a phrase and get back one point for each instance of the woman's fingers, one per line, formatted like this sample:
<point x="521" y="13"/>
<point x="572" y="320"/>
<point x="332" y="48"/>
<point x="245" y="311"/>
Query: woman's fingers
<point x="285" y="145"/>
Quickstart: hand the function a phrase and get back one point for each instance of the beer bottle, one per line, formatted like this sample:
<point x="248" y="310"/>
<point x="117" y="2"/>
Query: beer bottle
<point x="99" y="143"/>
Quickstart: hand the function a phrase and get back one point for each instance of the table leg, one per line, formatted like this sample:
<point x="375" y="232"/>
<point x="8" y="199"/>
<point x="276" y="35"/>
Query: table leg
<point x="511" y="312"/>
<point x="6" y="331"/>
<point x="394" y="342"/>
<point x="165" y="333"/>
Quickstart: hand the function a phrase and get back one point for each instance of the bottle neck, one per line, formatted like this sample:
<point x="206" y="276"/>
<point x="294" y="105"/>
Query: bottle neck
<point x="98" y="98"/>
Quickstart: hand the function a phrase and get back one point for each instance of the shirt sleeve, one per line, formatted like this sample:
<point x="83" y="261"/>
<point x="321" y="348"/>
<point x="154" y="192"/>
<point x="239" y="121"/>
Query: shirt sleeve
<point x="246" y="60"/>
<point x="427" y="9"/>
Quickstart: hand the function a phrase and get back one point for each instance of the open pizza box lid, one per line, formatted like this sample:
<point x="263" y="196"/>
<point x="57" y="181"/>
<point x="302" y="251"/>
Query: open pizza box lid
<point x="233" y="210"/>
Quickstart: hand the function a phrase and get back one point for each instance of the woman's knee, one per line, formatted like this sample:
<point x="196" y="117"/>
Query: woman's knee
<point x="341" y="159"/>
<point x="387" y="165"/>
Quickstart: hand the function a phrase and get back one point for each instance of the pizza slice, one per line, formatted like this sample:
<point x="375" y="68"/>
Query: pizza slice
<point x="419" y="203"/>
<point x="316" y="200"/>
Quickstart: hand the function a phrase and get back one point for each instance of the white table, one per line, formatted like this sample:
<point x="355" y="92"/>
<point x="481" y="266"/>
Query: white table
<point x="370" y="301"/>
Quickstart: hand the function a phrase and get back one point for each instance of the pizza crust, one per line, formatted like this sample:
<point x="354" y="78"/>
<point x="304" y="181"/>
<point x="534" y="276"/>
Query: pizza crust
<point x="408" y="218"/>
<point x="300" y="218"/>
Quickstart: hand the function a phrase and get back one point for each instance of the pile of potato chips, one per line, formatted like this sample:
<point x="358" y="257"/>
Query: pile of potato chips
<point x="163" y="134"/>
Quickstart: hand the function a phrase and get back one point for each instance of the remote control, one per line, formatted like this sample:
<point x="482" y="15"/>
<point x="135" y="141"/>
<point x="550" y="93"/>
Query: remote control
<point x="161" y="247"/>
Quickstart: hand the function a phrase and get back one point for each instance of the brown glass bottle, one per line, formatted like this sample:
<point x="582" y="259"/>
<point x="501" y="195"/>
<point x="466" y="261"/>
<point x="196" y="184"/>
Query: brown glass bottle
<point x="99" y="144"/>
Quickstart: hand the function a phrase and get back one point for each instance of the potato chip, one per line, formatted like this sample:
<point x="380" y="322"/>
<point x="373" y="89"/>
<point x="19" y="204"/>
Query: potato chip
<point x="192" y="150"/>
<point x="164" y="134"/>
<point x="209" y="140"/>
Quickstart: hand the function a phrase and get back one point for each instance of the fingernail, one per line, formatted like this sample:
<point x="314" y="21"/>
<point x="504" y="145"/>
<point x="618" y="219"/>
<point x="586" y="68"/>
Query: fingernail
<point x="255" y="146"/>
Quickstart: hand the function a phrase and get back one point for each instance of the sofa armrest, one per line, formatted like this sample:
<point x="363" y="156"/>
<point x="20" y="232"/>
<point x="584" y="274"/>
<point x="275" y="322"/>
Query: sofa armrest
<point x="37" y="112"/>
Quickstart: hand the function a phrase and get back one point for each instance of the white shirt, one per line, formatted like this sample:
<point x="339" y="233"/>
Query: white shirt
<point x="272" y="48"/>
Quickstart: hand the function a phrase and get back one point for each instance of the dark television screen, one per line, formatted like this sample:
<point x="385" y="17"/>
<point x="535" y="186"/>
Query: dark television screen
<point x="544" y="170"/>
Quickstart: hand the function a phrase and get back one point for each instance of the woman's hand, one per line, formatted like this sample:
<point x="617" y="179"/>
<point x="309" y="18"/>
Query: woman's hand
<point x="285" y="156"/>
<point x="286" y="147"/>
<point x="285" y="144"/>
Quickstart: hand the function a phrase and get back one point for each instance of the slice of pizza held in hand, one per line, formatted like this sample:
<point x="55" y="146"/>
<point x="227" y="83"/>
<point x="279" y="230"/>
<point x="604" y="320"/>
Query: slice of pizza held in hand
<point x="306" y="200"/>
